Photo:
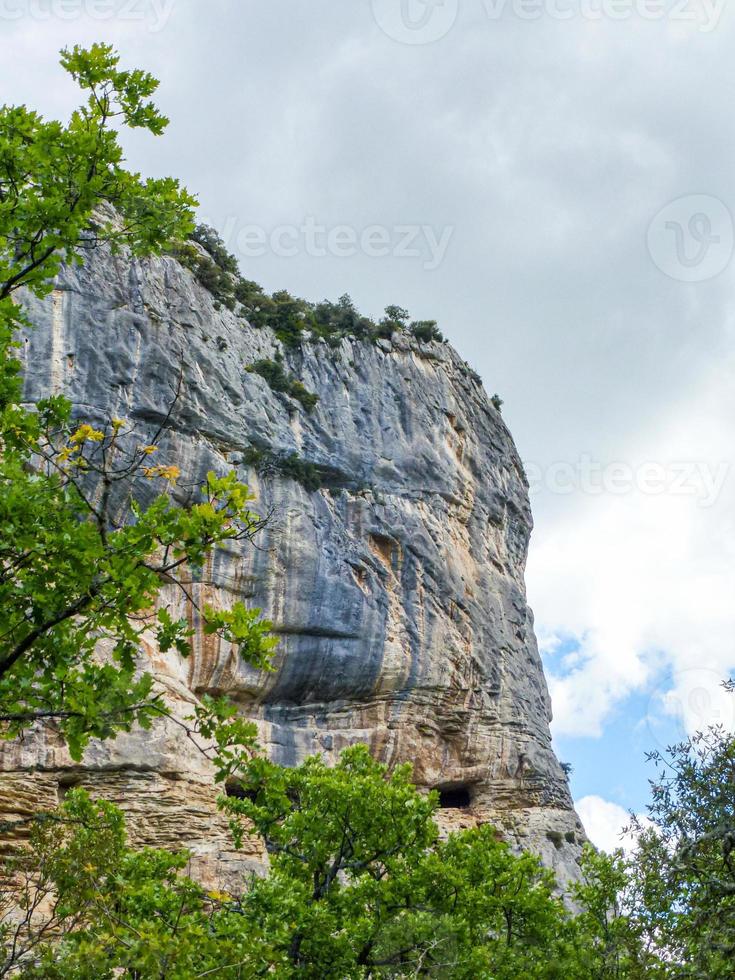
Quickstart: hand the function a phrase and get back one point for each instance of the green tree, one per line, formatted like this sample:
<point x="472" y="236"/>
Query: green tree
<point x="427" y="331"/>
<point x="611" y="933"/>
<point x="397" y="315"/>
<point x="360" y="886"/>
<point x="684" y="866"/>
<point x="668" y="908"/>
<point x="81" y="564"/>
<point x="80" y="903"/>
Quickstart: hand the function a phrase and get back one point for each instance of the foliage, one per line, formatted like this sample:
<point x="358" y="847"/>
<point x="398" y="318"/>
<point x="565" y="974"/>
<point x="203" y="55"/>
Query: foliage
<point x="396" y="314"/>
<point x="426" y="331"/>
<point x="668" y="908"/>
<point x="211" y="242"/>
<point x="311" y="476"/>
<point x="279" y="380"/>
<point x="611" y="936"/>
<point x="360" y="886"/>
<point x="82" y="564"/>
<point x="685" y="861"/>
<point x="83" y="905"/>
<point x="53" y="177"/>
<point x="58" y="526"/>
<point x="215" y="277"/>
<point x="288" y="316"/>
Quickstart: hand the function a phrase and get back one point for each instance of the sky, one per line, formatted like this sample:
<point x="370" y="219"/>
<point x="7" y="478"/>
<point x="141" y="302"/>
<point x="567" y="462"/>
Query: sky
<point x="551" y="180"/>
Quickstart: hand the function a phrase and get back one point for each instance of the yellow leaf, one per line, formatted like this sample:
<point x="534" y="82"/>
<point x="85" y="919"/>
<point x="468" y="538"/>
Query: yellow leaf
<point x="86" y="433"/>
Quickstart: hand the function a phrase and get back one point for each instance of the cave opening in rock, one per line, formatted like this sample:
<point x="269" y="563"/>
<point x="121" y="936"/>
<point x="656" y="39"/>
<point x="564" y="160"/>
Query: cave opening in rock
<point x="454" y="798"/>
<point x="66" y="783"/>
<point x="237" y="791"/>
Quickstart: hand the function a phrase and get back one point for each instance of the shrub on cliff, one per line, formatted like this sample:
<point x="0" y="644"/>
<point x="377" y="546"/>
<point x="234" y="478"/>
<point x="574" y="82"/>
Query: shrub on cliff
<point x="289" y="316"/>
<point x="426" y="331"/>
<point x="280" y="380"/>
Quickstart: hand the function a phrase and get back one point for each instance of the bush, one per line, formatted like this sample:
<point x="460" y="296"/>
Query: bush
<point x="281" y="380"/>
<point x="385" y="329"/>
<point x="311" y="476"/>
<point x="273" y="373"/>
<point x="289" y="316"/>
<point x="426" y="331"/>
<point x="307" y="398"/>
<point x="208" y="273"/>
<point x="211" y="242"/>
<point x="301" y="470"/>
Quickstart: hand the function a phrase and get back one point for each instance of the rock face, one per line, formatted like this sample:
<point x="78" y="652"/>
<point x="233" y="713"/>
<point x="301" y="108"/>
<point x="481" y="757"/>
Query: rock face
<point x="396" y="588"/>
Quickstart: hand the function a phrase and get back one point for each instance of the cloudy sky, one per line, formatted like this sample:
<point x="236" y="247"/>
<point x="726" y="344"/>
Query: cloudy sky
<point x="553" y="181"/>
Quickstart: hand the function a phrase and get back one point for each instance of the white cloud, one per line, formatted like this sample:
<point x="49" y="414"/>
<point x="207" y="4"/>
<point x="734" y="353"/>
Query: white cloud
<point x="604" y="822"/>
<point x="642" y="580"/>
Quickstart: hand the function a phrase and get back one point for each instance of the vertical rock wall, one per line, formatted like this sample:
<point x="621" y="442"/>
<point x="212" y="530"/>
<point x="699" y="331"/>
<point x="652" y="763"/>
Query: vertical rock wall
<point x="396" y="588"/>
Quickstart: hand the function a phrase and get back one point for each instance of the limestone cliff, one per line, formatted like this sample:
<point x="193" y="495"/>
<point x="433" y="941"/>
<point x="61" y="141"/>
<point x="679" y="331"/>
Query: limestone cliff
<point x="396" y="587"/>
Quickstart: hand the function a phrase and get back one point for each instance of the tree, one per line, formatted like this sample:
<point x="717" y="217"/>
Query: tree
<point x="684" y="865"/>
<point x="396" y="314"/>
<point x="612" y="938"/>
<point x="81" y="564"/>
<point x="360" y="886"/>
<point x="426" y="331"/>
<point x="668" y="908"/>
<point x="82" y="904"/>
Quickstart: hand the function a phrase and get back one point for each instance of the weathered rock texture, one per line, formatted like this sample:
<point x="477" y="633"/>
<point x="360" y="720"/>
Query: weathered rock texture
<point x="397" y="591"/>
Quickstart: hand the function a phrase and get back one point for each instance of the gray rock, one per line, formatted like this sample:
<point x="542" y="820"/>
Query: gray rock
<point x="397" y="590"/>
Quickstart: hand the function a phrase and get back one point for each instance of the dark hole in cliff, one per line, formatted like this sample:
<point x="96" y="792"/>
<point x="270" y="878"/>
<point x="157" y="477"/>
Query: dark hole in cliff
<point x="454" y="798"/>
<point x="66" y="783"/>
<point x="237" y="791"/>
